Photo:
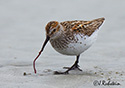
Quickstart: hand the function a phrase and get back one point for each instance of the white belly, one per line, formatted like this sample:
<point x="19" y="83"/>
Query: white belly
<point x="80" y="46"/>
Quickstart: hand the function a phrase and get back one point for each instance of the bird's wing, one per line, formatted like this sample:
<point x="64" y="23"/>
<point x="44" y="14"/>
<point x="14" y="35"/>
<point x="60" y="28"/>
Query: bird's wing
<point x="86" y="27"/>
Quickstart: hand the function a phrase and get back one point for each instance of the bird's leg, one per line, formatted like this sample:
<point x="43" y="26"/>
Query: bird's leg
<point x="74" y="66"/>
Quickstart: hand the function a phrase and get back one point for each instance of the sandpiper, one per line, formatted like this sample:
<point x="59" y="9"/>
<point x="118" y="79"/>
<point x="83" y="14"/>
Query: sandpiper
<point x="71" y="38"/>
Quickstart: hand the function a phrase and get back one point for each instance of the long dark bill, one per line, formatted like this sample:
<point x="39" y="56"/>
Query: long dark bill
<point x="47" y="39"/>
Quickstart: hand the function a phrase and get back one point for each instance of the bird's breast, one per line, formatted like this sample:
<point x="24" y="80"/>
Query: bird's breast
<point x="73" y="44"/>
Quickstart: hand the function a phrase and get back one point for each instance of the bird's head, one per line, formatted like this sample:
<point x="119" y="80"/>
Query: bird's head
<point x="53" y="29"/>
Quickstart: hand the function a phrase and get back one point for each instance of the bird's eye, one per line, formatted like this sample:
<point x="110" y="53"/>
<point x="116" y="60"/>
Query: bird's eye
<point x="54" y="30"/>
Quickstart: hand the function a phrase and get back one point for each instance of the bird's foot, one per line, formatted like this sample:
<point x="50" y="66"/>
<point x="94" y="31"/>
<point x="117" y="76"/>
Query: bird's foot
<point x="73" y="67"/>
<point x="68" y="69"/>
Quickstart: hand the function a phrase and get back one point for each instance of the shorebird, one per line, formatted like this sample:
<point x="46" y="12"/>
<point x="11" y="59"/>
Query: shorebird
<point x="71" y="38"/>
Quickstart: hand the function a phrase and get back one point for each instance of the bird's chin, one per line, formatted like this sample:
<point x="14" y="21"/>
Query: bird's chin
<point x="54" y="37"/>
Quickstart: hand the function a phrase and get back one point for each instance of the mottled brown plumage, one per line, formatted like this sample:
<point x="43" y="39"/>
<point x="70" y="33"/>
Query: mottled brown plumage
<point x="85" y="27"/>
<point x="74" y="27"/>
